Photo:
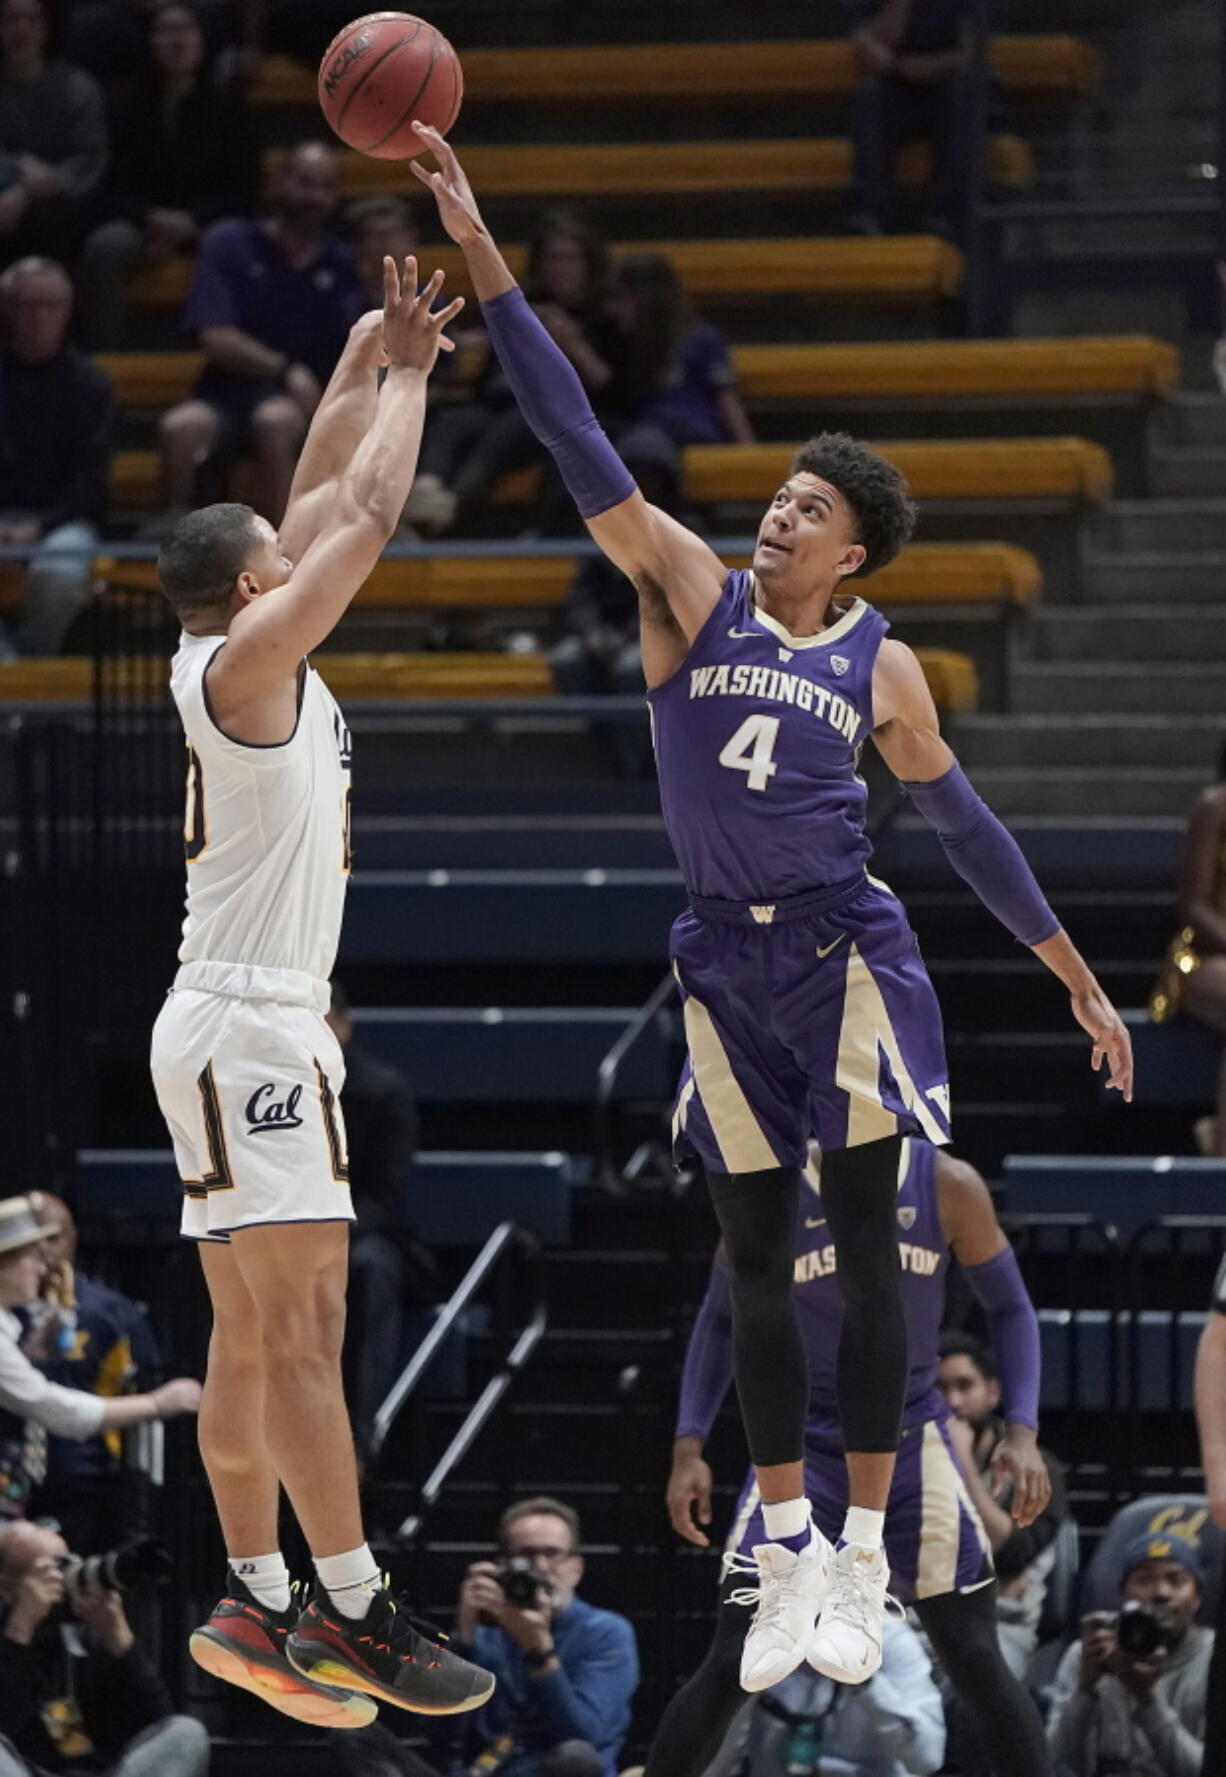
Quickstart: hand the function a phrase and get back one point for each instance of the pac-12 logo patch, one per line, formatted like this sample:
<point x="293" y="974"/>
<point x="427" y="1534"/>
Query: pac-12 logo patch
<point x="906" y="1216"/>
<point x="840" y="663"/>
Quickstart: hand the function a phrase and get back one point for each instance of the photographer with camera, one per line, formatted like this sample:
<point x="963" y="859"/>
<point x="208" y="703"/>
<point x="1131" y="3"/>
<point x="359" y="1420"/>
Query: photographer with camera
<point x="31" y="1405"/>
<point x="566" y="1671"/>
<point x="1129" y="1698"/>
<point x="76" y="1692"/>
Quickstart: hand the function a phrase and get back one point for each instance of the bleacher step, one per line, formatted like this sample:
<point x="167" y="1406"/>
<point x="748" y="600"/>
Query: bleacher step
<point x="1138" y="575"/>
<point x="1097" y="687"/>
<point x="1163" y="630"/>
<point x="1188" y="471"/>
<point x="1065" y="790"/>
<point x="1159" y="525"/>
<point x="1081" y="743"/>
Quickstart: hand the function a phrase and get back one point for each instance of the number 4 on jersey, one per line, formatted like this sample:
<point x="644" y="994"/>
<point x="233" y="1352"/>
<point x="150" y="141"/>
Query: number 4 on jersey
<point x="751" y="750"/>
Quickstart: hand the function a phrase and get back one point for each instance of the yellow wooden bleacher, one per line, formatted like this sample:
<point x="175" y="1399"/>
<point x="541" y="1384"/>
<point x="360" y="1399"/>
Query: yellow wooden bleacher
<point x="925" y="370"/>
<point x="881" y="268"/>
<point x="1067" y="469"/>
<point x="925" y="574"/>
<point x="806" y="163"/>
<point x="951" y="676"/>
<point x="1049" y="66"/>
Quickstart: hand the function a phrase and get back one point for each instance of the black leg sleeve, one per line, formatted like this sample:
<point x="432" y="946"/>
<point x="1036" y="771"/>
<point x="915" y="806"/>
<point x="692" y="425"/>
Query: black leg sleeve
<point x="1004" y="1717"/>
<point x="859" y="1192"/>
<point x="757" y="1216"/>
<point x="697" y="1721"/>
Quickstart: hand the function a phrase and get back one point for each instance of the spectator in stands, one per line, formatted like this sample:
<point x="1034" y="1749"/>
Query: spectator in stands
<point x="468" y="447"/>
<point x="57" y="413"/>
<point x="271" y="305"/>
<point x="391" y="1271"/>
<point x="893" y="1726"/>
<point x="913" y="61"/>
<point x="566" y="1671"/>
<point x="87" y="1336"/>
<point x="76" y="1688"/>
<point x="185" y="156"/>
<point x="30" y="1403"/>
<point x="376" y="226"/>
<point x="968" y="1380"/>
<point x="54" y="143"/>
<point x="678" y="373"/>
<point x="1193" y="978"/>
<point x="1211" y="1423"/>
<point x="1139" y="1713"/>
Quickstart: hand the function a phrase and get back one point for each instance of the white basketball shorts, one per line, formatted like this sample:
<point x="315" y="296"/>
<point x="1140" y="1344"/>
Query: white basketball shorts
<point x="250" y="1091"/>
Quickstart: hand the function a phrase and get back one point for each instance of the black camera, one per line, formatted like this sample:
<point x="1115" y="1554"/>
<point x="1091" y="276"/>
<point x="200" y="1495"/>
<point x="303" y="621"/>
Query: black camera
<point x="522" y="1585"/>
<point x="1138" y="1631"/>
<point x="142" y="1563"/>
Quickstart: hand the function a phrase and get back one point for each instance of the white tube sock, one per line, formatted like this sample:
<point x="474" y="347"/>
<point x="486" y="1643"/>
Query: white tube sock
<point x="790" y="1517"/>
<point x="864" y="1528"/>
<point x="266" y="1577"/>
<point x="351" y="1580"/>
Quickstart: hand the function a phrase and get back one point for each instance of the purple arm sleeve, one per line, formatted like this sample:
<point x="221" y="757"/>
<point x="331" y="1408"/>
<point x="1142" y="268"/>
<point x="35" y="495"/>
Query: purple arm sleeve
<point x="1014" y="1328"/>
<point x="985" y="855"/>
<point x="555" y="405"/>
<point x="707" y="1372"/>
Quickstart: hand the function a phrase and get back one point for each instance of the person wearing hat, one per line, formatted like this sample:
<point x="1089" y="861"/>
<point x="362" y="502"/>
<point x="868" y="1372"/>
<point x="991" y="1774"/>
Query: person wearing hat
<point x="31" y="1405"/>
<point x="1119" y="1706"/>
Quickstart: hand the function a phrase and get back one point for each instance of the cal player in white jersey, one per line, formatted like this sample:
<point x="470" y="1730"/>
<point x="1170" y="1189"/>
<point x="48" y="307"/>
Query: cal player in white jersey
<point x="248" y="1074"/>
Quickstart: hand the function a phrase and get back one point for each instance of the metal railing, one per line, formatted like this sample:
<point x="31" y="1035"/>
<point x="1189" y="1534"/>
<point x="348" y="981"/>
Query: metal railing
<point x="507" y="1240"/>
<point x="610" y="1174"/>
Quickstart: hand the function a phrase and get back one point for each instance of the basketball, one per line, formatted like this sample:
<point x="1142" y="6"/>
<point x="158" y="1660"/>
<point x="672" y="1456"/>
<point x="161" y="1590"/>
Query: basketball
<point x="382" y="72"/>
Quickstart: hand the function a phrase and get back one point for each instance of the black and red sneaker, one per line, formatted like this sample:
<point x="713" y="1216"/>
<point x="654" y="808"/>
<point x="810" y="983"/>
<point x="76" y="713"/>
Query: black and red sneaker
<point x="387" y="1653"/>
<point x="243" y="1643"/>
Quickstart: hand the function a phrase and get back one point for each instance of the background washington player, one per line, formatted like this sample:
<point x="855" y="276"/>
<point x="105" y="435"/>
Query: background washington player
<point x="246" y="1070"/>
<point x="935" y="1541"/>
<point x="807" y="1007"/>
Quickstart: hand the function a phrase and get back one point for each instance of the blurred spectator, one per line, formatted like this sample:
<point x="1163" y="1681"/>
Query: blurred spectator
<point x="391" y="1271"/>
<point x="678" y="373"/>
<point x="566" y="1671"/>
<point x="385" y="224"/>
<point x="54" y="142"/>
<point x="77" y="1692"/>
<point x="271" y="305"/>
<point x="88" y="1336"/>
<point x="913" y="60"/>
<point x="467" y="448"/>
<point x="968" y="1380"/>
<point x="1130" y="1695"/>
<point x="30" y="1403"/>
<point x="185" y="155"/>
<point x="57" y="413"/>
<point x="1193" y="978"/>
<point x="893" y="1726"/>
<point x="1211" y="1424"/>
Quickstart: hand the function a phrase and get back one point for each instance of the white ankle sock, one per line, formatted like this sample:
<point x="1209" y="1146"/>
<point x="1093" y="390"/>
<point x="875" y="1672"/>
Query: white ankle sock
<point x="266" y="1577"/>
<point x="790" y="1517"/>
<point x="864" y="1528"/>
<point x="350" y="1580"/>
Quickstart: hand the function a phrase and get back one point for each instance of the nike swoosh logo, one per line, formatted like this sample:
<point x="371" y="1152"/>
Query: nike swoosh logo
<point x="830" y="947"/>
<point x="746" y="635"/>
<point x="819" y="1223"/>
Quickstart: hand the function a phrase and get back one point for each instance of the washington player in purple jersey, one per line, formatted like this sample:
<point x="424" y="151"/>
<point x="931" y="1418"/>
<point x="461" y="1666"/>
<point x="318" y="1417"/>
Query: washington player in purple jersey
<point x="937" y="1546"/>
<point x="807" y="1006"/>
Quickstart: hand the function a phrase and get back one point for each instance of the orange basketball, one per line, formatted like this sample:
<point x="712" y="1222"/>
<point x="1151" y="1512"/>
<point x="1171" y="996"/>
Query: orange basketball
<point x="382" y="72"/>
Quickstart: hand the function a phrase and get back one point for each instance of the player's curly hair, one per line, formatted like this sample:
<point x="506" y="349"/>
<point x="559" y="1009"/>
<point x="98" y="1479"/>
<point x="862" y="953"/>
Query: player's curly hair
<point x="204" y="555"/>
<point x="884" y="511"/>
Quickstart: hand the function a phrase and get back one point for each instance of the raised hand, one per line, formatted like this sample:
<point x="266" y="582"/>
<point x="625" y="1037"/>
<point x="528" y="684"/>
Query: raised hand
<point x="454" y="195"/>
<point x="412" y="326"/>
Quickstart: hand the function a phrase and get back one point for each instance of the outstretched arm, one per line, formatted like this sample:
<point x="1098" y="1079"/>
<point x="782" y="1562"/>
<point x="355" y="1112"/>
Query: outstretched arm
<point x="678" y="578"/>
<point x="908" y="737"/>
<point x="338" y="426"/>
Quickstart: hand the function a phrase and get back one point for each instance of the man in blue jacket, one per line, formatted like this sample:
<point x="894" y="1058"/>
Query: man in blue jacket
<point x="566" y="1671"/>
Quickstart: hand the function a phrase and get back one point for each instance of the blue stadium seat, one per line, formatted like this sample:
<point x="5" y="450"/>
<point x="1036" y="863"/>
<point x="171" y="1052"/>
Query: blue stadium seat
<point x="492" y="1055"/>
<point x="1126" y="1193"/>
<point x="456" y="1200"/>
<point x="1155" y="1354"/>
<point x="1176" y="1063"/>
<point x="1183" y="1514"/>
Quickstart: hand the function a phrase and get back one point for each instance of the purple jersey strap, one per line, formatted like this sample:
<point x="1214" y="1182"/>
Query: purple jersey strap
<point x="707" y="1372"/>
<point x="1014" y="1328"/>
<point x="985" y="855"/>
<point x="555" y="405"/>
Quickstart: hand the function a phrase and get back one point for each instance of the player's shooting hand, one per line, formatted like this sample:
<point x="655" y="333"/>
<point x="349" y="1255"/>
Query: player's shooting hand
<point x="1017" y="1459"/>
<point x="689" y="1492"/>
<point x="454" y="195"/>
<point x="412" y="326"/>
<point x="1112" y="1044"/>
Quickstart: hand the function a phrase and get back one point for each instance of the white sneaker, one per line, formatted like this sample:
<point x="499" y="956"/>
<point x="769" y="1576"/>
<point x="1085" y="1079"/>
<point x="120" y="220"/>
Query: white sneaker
<point x="790" y="1592"/>
<point x="846" y="1645"/>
